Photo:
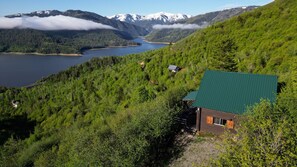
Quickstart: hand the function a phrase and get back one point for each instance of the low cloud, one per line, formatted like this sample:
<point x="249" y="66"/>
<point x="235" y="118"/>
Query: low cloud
<point x="51" y="23"/>
<point x="179" y="26"/>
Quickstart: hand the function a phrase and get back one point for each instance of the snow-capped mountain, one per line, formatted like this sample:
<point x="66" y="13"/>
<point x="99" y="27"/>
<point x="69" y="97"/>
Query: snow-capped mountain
<point x="166" y="17"/>
<point x="130" y="18"/>
<point x="151" y="19"/>
<point x="41" y="13"/>
<point x="161" y="16"/>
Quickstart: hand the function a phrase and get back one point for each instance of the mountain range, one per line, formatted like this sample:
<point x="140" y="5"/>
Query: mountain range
<point x="124" y="27"/>
<point x="201" y="21"/>
<point x="133" y="30"/>
<point x="65" y="41"/>
<point x="148" y="21"/>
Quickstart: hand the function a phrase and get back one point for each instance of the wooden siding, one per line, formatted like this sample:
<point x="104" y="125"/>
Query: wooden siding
<point x="206" y="121"/>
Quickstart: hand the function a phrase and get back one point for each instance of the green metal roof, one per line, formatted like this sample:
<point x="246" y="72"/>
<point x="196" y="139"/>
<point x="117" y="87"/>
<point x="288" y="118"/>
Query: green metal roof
<point x="233" y="92"/>
<point x="190" y="96"/>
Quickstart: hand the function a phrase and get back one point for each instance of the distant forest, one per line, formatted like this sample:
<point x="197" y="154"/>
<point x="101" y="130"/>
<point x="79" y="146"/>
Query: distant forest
<point x="168" y="35"/>
<point x="60" y="42"/>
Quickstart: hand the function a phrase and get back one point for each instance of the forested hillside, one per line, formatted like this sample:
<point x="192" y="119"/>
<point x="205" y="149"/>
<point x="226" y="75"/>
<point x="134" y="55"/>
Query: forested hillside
<point x="121" y="111"/>
<point x="60" y="42"/>
<point x="168" y="35"/>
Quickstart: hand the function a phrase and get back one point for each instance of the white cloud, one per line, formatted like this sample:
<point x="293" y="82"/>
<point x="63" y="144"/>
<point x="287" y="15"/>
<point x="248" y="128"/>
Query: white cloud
<point x="51" y="23"/>
<point x="179" y="26"/>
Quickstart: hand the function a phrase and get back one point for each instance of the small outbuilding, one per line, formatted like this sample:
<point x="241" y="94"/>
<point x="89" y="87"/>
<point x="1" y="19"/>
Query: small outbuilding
<point x="15" y="103"/>
<point x="173" y="68"/>
<point x="222" y="96"/>
<point x="142" y="64"/>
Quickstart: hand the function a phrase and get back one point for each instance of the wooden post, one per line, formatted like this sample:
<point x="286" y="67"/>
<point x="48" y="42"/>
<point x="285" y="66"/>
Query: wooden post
<point x="198" y="119"/>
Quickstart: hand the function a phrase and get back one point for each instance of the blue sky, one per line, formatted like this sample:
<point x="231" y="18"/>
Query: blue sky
<point x="111" y="7"/>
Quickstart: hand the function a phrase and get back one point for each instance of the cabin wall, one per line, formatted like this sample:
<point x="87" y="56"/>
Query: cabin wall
<point x="212" y="128"/>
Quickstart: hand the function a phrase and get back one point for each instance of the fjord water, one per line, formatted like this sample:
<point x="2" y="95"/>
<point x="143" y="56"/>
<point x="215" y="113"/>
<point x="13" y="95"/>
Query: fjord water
<point x="21" y="70"/>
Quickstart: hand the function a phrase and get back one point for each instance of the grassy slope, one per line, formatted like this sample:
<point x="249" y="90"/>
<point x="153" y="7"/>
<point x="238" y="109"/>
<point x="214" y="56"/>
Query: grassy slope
<point x="106" y="97"/>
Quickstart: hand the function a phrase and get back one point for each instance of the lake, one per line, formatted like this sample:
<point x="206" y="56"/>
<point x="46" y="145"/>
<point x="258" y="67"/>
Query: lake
<point x="22" y="70"/>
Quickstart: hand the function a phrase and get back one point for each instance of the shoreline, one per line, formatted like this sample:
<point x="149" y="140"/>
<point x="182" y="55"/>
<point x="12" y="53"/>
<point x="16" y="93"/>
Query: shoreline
<point x="166" y="43"/>
<point x="113" y="47"/>
<point x="65" y="54"/>
<point x="43" y="54"/>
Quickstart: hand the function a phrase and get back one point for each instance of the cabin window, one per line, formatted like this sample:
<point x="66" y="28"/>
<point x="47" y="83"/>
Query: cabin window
<point x="219" y="121"/>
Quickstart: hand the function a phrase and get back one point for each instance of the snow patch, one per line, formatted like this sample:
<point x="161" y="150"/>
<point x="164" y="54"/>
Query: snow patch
<point x="161" y="16"/>
<point x="166" y="17"/>
<point x="126" y="17"/>
<point x="47" y="12"/>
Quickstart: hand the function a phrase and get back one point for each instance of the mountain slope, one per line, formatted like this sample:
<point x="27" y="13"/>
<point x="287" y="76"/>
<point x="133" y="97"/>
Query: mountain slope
<point x="122" y="26"/>
<point x="173" y="35"/>
<point x="122" y="111"/>
<point x="217" y="16"/>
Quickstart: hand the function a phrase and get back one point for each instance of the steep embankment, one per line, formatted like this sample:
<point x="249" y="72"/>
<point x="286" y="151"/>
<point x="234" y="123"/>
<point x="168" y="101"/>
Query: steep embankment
<point x="121" y="111"/>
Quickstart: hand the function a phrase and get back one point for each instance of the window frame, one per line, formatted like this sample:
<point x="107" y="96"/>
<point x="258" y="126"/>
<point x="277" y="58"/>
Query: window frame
<point x="221" y="122"/>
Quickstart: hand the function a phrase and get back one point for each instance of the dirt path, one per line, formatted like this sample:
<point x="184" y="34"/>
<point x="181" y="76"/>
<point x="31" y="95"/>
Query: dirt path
<point x="197" y="152"/>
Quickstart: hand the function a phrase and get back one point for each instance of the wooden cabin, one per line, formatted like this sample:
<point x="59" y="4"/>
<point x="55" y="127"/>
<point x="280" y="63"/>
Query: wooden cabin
<point x="222" y="96"/>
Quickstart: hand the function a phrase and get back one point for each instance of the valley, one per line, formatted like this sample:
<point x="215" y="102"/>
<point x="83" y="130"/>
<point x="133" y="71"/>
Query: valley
<point x="127" y="110"/>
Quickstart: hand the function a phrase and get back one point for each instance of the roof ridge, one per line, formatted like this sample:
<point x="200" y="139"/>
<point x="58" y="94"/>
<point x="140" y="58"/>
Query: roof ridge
<point x="246" y="73"/>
